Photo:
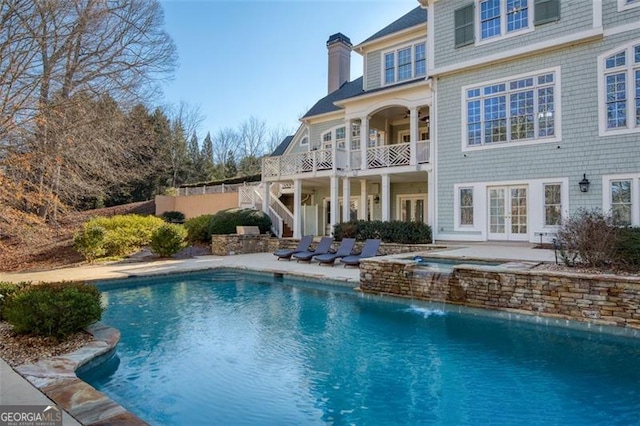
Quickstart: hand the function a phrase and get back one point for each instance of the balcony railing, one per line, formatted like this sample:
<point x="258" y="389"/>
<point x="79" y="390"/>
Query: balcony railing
<point x="377" y="157"/>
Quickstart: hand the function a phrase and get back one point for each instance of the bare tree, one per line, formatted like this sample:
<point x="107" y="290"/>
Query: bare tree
<point x="225" y="142"/>
<point x="276" y="136"/>
<point x="253" y="135"/>
<point x="58" y="58"/>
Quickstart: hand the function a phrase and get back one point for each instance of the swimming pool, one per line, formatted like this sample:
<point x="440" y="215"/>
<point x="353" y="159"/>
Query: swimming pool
<point x="231" y="348"/>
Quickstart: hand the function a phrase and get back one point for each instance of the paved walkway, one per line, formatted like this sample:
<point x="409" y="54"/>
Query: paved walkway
<point x="16" y="390"/>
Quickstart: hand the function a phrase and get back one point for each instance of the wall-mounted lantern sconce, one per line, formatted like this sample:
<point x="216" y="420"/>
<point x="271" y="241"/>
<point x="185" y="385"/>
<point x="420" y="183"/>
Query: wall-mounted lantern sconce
<point x="376" y="199"/>
<point x="584" y="183"/>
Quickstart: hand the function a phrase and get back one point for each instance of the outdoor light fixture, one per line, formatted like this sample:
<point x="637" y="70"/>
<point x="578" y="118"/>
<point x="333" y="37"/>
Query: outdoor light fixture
<point x="376" y="199"/>
<point x="584" y="183"/>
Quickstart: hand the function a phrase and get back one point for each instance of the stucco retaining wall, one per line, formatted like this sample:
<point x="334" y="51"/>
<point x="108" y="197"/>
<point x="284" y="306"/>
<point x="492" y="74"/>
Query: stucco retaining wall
<point x="598" y="299"/>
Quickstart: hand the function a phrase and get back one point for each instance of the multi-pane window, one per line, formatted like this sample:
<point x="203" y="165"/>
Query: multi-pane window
<point x="501" y="17"/>
<point x="622" y="89"/>
<point x="389" y="68"/>
<point x="420" y="59"/>
<point x="405" y="63"/>
<point x="552" y="204"/>
<point x="340" y="137"/>
<point x="511" y="111"/>
<point x="466" y="206"/>
<point x="621" y="202"/>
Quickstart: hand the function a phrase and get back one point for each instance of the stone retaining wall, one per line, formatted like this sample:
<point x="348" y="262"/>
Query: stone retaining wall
<point x="599" y="299"/>
<point x="225" y="245"/>
<point x="385" y="248"/>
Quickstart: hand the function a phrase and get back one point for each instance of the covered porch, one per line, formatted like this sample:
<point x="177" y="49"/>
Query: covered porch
<point x="318" y="204"/>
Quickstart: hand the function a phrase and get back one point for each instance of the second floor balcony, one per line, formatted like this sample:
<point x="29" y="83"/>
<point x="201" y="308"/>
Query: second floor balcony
<point x="343" y="161"/>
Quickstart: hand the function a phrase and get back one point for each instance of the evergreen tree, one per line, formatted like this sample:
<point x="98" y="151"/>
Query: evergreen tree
<point x="195" y="160"/>
<point x="206" y="155"/>
<point x="230" y="167"/>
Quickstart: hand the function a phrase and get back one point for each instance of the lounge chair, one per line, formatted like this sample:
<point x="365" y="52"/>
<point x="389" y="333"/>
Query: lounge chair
<point x="344" y="250"/>
<point x="323" y="247"/>
<point x="369" y="249"/>
<point x="303" y="245"/>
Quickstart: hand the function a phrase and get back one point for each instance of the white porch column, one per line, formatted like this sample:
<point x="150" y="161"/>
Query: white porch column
<point x="364" y="141"/>
<point x="334" y="213"/>
<point x="347" y="143"/>
<point x="346" y="197"/>
<point x="413" y="135"/>
<point x="431" y="202"/>
<point x="363" y="208"/>
<point x="385" y="194"/>
<point x="266" y="197"/>
<point x="297" y="208"/>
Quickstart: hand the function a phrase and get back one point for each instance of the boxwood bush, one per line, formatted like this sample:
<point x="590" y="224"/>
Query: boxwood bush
<point x="7" y="290"/>
<point x="173" y="217"/>
<point x="118" y="235"/>
<point x="53" y="309"/>
<point x="395" y="231"/>
<point x="168" y="239"/>
<point x="198" y="229"/>
<point x="628" y="248"/>
<point x="225" y="221"/>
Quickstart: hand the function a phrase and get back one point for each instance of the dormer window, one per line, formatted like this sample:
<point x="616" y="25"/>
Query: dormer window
<point x="405" y="63"/>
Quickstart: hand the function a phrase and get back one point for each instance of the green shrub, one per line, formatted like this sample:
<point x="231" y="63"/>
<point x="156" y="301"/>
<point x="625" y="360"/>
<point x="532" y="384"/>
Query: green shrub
<point x="588" y="238"/>
<point x="168" y="239"/>
<point x="394" y="231"/>
<point x="7" y="290"/>
<point x="225" y="221"/>
<point x="628" y="249"/>
<point x="90" y="241"/>
<point x="55" y="309"/>
<point x="173" y="217"/>
<point x="125" y="234"/>
<point x="198" y="229"/>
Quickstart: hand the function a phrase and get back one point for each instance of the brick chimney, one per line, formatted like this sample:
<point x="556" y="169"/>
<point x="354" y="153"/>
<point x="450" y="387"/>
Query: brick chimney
<point x="339" y="49"/>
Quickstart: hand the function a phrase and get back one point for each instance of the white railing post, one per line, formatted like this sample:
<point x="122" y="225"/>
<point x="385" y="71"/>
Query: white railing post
<point x="413" y="138"/>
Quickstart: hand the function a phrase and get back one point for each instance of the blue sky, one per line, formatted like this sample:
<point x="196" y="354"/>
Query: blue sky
<point x="263" y="58"/>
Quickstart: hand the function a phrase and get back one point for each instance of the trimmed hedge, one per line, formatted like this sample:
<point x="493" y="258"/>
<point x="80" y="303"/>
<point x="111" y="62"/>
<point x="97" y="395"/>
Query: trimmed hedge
<point x="7" y="290"/>
<point x="198" y="229"/>
<point x="395" y="231"/>
<point x="118" y="235"/>
<point x="53" y="309"/>
<point x="173" y="217"/>
<point x="628" y="248"/>
<point x="168" y="239"/>
<point x="225" y="221"/>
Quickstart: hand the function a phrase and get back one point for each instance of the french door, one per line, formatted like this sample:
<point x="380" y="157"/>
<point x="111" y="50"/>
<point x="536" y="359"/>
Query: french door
<point x="412" y="208"/>
<point x="508" y="216"/>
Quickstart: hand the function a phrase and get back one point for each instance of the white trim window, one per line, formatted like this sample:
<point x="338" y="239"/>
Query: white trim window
<point x="404" y="63"/>
<point x="501" y="18"/>
<point x="521" y="109"/>
<point x="305" y="141"/>
<point x="627" y="4"/>
<point x="620" y="90"/>
<point x="335" y="134"/>
<point x="621" y="198"/>
<point x="552" y="204"/>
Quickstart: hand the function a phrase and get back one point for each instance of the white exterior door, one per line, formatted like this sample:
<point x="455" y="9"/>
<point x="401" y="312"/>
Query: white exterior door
<point x="508" y="216"/>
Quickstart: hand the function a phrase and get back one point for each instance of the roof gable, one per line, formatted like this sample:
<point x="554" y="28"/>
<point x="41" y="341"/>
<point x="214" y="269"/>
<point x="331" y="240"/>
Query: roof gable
<point x="415" y="17"/>
<point x="325" y="105"/>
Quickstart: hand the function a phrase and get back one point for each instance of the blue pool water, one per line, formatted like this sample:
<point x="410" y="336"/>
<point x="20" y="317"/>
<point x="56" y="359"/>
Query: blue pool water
<point x="223" y="348"/>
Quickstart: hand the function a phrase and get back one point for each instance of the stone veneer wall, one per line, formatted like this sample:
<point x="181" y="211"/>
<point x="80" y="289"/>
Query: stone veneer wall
<point x="599" y="299"/>
<point x="225" y="245"/>
<point x="385" y="248"/>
